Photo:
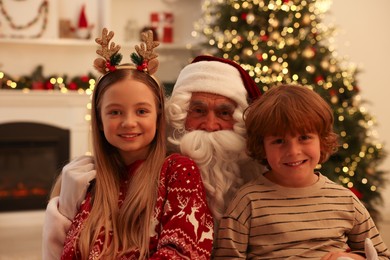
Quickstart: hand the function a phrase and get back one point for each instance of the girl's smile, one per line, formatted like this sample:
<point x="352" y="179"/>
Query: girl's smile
<point x="129" y="117"/>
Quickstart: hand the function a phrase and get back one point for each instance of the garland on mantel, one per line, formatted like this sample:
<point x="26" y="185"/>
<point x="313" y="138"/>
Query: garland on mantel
<point x="37" y="81"/>
<point x="42" y="11"/>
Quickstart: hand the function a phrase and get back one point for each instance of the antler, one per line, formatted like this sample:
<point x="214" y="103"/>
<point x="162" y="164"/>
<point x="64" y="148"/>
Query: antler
<point x="145" y="60"/>
<point x="146" y="49"/>
<point x="106" y="52"/>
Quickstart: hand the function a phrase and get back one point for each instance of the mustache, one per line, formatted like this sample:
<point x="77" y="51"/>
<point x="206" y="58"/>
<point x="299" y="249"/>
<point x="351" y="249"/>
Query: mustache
<point x="203" y="146"/>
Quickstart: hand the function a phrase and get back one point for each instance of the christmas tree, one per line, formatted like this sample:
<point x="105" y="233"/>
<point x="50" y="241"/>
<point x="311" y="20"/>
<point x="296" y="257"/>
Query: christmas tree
<point x="285" y="41"/>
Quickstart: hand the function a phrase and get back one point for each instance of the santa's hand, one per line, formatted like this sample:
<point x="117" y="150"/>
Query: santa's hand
<point x="75" y="180"/>
<point x="370" y="251"/>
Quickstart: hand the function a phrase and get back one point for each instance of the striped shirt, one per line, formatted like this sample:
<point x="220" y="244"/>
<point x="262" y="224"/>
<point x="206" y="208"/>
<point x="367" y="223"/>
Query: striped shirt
<point x="268" y="221"/>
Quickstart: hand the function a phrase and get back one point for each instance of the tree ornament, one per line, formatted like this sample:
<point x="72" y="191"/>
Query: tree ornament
<point x="308" y="52"/>
<point x="319" y="79"/>
<point x="358" y="194"/>
<point x="306" y="20"/>
<point x="263" y="38"/>
<point x="250" y="18"/>
<point x="259" y="56"/>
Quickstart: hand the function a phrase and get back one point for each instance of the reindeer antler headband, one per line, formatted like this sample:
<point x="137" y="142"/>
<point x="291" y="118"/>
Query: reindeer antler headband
<point x="145" y="59"/>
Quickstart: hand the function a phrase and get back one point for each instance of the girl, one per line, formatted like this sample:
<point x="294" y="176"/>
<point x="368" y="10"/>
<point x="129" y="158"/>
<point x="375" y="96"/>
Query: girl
<point x="142" y="205"/>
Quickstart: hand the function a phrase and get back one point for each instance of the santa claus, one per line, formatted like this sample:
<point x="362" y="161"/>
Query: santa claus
<point x="205" y="116"/>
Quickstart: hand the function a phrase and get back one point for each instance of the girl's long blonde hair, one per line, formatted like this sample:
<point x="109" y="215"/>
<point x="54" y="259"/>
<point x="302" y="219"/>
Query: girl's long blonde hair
<point x="130" y="224"/>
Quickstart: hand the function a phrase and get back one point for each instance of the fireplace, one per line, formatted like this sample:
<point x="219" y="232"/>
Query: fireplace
<point x="31" y="156"/>
<point x="40" y="131"/>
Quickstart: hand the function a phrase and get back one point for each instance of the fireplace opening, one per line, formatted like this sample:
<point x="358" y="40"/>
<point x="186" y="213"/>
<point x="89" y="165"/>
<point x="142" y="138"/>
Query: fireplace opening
<point x="31" y="157"/>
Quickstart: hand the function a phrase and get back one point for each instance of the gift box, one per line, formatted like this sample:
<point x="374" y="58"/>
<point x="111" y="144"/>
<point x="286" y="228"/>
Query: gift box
<point x="168" y="28"/>
<point x="162" y="25"/>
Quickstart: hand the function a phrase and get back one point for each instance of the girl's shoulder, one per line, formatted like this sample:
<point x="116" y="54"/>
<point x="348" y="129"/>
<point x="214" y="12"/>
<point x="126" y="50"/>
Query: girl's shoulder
<point x="178" y="159"/>
<point x="180" y="165"/>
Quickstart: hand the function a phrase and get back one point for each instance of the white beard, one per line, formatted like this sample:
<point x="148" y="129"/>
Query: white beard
<point x="220" y="156"/>
<point x="217" y="155"/>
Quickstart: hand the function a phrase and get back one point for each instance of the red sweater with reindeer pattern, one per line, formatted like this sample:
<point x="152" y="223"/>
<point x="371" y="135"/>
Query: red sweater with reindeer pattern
<point x="183" y="224"/>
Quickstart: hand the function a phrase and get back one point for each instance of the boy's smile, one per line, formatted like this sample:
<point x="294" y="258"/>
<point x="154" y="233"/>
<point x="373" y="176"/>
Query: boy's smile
<point x="292" y="159"/>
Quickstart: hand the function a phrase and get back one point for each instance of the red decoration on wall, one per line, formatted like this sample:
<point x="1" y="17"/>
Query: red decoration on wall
<point x="83" y="23"/>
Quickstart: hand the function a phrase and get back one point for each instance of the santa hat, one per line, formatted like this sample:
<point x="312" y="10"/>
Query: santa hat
<point x="217" y="76"/>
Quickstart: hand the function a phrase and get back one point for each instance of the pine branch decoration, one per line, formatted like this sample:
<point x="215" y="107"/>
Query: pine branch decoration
<point x="136" y="59"/>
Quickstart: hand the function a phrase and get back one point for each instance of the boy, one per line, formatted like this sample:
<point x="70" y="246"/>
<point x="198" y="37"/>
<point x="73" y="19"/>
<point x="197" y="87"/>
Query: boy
<point x="292" y="211"/>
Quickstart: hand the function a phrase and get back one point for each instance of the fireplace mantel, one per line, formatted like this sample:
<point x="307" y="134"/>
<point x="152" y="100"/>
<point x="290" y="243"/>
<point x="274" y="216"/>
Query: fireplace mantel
<point x="64" y="110"/>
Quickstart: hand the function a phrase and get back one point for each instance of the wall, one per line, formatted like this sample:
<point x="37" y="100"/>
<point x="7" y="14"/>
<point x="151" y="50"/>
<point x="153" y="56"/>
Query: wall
<point x="363" y="37"/>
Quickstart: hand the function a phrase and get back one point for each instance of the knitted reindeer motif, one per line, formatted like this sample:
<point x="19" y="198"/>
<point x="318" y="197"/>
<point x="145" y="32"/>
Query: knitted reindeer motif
<point x="192" y="219"/>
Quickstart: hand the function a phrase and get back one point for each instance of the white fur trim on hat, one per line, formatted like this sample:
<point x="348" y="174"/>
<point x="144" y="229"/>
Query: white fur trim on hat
<point x="212" y="77"/>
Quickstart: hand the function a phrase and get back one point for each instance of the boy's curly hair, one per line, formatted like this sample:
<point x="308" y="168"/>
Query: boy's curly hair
<point x="292" y="109"/>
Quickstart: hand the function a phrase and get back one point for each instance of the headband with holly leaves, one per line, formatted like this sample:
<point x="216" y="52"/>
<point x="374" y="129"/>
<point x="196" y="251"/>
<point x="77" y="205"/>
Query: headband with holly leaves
<point x="145" y="59"/>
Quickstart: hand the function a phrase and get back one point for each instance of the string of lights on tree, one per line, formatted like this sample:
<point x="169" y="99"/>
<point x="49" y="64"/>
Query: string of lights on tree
<point x="285" y="41"/>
